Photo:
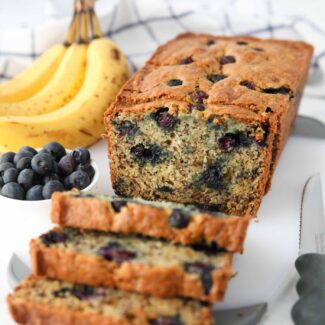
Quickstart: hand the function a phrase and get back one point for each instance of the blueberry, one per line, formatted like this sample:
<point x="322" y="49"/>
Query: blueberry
<point x="127" y="128"/>
<point x="10" y="175"/>
<point x="114" y="252"/>
<point x="51" y="187"/>
<point x="150" y="154"/>
<point x="44" y="151"/>
<point x="187" y="60"/>
<point x="56" y="150"/>
<point x="67" y="165"/>
<point x="242" y="43"/>
<point x="4" y="166"/>
<point x="13" y="191"/>
<point x="198" y="107"/>
<point x="204" y="271"/>
<point x="167" y="320"/>
<point x="216" y="77"/>
<point x="81" y="155"/>
<point x="268" y="110"/>
<point x="248" y="84"/>
<point x="178" y="219"/>
<point x="27" y="149"/>
<point x="20" y="155"/>
<point x="26" y="179"/>
<point x="24" y="163"/>
<point x="43" y="164"/>
<point x="53" y="237"/>
<point x="210" y="42"/>
<point x="118" y="205"/>
<point x="174" y="82"/>
<point x="52" y="177"/>
<point x="88" y="169"/>
<point x="281" y="90"/>
<point x="35" y="193"/>
<point x="1" y="182"/>
<point x="163" y="119"/>
<point x="227" y="59"/>
<point x="212" y="177"/>
<point x="7" y="157"/>
<point x="78" y="179"/>
<point x="198" y="96"/>
<point x="232" y="140"/>
<point x="82" y="291"/>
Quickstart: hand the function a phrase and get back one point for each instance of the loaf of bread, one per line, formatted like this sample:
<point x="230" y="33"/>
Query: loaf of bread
<point x="142" y="265"/>
<point x="38" y="301"/>
<point x="185" y="224"/>
<point x="205" y="120"/>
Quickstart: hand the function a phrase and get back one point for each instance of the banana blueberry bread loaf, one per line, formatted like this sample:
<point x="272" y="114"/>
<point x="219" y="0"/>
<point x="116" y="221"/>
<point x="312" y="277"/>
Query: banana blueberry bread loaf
<point x="185" y="224"/>
<point x="129" y="263"/>
<point x="38" y="301"/>
<point x="204" y="121"/>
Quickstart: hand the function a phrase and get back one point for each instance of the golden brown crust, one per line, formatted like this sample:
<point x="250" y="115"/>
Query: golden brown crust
<point x="164" y="282"/>
<point x="90" y="213"/>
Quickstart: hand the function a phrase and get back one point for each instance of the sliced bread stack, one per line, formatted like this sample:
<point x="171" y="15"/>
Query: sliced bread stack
<point x="128" y="261"/>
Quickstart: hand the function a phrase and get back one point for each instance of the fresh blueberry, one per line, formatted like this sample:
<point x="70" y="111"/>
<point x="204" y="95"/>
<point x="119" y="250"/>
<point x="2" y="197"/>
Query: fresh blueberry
<point x="174" y="82"/>
<point x="24" y="163"/>
<point x="82" y="291"/>
<point x="198" y="96"/>
<point x="78" y="179"/>
<point x="114" y="252"/>
<point x="56" y="150"/>
<point x="1" y="182"/>
<point x="204" y="271"/>
<point x="67" y="165"/>
<point x="127" y="128"/>
<point x="167" y="320"/>
<point x="212" y="177"/>
<point x="44" y="151"/>
<point x="248" y="84"/>
<point x="150" y="154"/>
<point x="88" y="169"/>
<point x="7" y="157"/>
<point x="216" y="77"/>
<point x="27" y="149"/>
<point x="43" y="164"/>
<point x="81" y="155"/>
<point x="4" y="166"/>
<point x="51" y="187"/>
<point x="13" y="191"/>
<point x="187" y="60"/>
<point x="178" y="219"/>
<point x="210" y="42"/>
<point x="26" y="179"/>
<point x="10" y="175"/>
<point x="118" y="205"/>
<point x="20" y="155"/>
<point x="54" y="237"/>
<point x="163" y="119"/>
<point x="52" y="177"/>
<point x="198" y="107"/>
<point x="35" y="193"/>
<point x="227" y="59"/>
<point x="242" y="43"/>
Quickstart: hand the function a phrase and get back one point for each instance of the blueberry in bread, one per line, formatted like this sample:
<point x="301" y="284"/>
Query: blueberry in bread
<point x="53" y="302"/>
<point x="131" y="263"/>
<point x="185" y="224"/>
<point x="206" y="118"/>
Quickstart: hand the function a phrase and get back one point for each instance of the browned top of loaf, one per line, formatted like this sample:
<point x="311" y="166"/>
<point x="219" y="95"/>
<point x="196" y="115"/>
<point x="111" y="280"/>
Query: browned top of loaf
<point x="263" y="63"/>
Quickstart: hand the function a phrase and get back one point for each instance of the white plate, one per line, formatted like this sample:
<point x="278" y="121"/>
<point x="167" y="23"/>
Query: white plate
<point x="271" y="246"/>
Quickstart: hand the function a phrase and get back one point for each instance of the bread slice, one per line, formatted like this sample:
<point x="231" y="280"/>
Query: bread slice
<point x="129" y="263"/>
<point x="185" y="224"/>
<point x="38" y="301"/>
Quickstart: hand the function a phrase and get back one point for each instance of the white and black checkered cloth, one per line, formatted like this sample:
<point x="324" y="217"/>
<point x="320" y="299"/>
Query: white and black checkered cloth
<point x="139" y="26"/>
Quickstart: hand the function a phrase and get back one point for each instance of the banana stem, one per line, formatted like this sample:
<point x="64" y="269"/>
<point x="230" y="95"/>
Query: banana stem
<point x="94" y="22"/>
<point x="72" y="31"/>
<point x="82" y="37"/>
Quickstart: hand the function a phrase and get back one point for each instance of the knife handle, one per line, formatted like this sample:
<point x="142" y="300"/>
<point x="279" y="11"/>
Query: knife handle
<point x="310" y="308"/>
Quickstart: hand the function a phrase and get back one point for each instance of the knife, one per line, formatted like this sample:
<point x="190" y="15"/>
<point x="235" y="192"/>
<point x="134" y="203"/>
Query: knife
<point x="309" y="309"/>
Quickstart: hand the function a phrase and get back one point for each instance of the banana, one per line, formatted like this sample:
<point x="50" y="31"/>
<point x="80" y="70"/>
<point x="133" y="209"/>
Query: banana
<point x="80" y="122"/>
<point x="33" y="79"/>
<point x="60" y="90"/>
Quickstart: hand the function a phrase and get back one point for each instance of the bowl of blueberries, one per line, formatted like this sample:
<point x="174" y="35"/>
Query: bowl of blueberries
<point x="35" y="174"/>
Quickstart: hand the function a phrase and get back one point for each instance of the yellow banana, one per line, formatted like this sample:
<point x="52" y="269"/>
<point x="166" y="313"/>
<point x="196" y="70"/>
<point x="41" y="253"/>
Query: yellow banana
<point x="33" y="79"/>
<point x="60" y="90"/>
<point x="80" y="122"/>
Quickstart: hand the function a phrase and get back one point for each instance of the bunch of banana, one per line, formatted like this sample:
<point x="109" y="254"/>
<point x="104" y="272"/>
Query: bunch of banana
<point x="69" y="106"/>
